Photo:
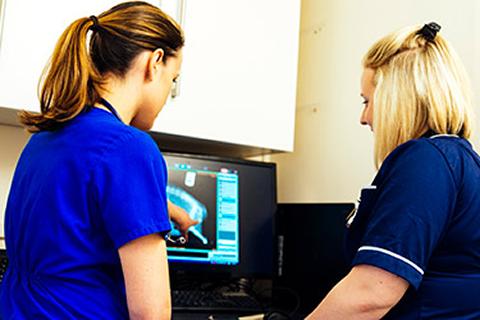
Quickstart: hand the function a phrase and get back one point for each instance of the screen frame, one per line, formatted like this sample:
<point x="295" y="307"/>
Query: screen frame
<point x="228" y="271"/>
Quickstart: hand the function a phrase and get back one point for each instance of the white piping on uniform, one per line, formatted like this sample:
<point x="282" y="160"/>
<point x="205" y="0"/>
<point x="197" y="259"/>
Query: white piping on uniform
<point x="392" y="254"/>
<point x="444" y="135"/>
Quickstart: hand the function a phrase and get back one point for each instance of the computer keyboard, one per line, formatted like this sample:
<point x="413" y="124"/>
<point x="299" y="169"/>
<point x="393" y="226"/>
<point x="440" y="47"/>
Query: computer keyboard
<point x="190" y="300"/>
<point x="3" y="263"/>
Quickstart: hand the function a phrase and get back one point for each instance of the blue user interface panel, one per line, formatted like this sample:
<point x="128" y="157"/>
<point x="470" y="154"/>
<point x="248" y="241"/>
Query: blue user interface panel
<point x="209" y="193"/>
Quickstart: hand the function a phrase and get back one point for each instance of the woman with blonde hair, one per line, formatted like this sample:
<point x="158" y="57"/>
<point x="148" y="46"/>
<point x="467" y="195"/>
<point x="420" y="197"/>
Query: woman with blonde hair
<point x="88" y="207"/>
<point x="414" y="241"/>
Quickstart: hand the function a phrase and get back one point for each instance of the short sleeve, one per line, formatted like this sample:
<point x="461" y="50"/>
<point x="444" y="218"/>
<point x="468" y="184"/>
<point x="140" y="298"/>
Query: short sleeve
<point x="413" y="202"/>
<point x="130" y="182"/>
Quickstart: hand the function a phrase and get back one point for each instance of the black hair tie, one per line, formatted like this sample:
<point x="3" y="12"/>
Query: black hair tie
<point x="96" y="25"/>
<point x="429" y="31"/>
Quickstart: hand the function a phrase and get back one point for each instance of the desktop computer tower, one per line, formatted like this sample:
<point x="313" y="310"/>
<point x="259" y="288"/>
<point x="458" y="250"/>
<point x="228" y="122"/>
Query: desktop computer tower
<point x="311" y="256"/>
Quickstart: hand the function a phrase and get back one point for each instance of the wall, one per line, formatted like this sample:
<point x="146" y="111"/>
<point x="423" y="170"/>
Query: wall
<point x="12" y="141"/>
<point x="333" y="153"/>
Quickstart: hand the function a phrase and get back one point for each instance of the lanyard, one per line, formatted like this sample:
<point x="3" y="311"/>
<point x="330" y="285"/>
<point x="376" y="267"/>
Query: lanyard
<point x="107" y="105"/>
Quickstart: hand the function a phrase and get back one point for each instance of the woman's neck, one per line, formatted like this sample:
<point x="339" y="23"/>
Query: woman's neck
<point x="122" y="95"/>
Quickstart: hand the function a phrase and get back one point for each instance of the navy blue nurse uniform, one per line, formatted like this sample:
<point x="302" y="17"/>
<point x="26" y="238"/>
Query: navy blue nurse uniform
<point x="420" y="220"/>
<point x="78" y="194"/>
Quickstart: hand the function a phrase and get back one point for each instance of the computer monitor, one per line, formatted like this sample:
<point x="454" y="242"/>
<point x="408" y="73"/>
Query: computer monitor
<point x="235" y="203"/>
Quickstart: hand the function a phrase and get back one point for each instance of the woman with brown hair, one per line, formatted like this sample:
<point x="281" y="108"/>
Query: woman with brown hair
<point x="88" y="203"/>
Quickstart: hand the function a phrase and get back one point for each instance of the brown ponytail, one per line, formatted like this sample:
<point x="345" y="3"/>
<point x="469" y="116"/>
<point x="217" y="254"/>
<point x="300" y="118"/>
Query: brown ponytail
<point x="74" y="75"/>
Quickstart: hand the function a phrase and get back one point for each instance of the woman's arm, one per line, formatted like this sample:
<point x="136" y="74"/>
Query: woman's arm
<point x="367" y="292"/>
<point x="145" y="269"/>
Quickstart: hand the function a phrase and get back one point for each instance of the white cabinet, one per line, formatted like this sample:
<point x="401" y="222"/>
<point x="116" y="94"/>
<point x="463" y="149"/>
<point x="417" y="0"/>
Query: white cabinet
<point x="31" y="29"/>
<point x="238" y="81"/>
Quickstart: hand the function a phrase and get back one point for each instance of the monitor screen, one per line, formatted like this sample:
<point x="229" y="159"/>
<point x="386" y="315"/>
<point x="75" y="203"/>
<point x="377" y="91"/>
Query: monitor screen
<point x="234" y="202"/>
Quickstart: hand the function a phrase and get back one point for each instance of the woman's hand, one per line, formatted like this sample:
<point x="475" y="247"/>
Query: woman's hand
<point x="181" y="219"/>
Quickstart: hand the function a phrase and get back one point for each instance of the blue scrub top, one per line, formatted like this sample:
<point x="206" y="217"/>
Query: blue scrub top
<point x="420" y="220"/>
<point x="78" y="194"/>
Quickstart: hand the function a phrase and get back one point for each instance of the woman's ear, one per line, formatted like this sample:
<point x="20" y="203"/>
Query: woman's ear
<point x="155" y="62"/>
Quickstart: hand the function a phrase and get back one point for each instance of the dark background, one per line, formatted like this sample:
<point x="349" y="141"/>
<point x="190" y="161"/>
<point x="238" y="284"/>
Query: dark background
<point x="313" y="256"/>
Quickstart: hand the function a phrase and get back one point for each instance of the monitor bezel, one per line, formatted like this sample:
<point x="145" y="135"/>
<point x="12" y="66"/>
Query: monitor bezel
<point x="228" y="271"/>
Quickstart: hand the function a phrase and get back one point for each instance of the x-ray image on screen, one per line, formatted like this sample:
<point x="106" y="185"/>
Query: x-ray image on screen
<point x="209" y="194"/>
<point x="235" y="202"/>
<point x="196" y="193"/>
